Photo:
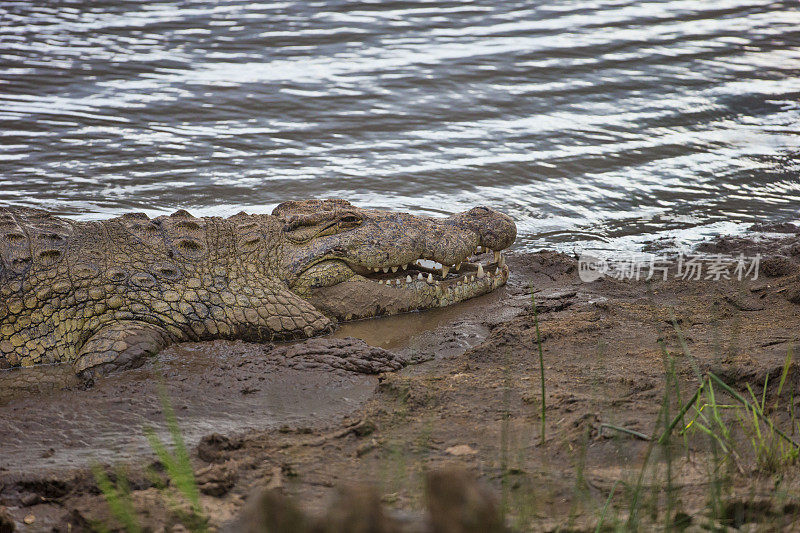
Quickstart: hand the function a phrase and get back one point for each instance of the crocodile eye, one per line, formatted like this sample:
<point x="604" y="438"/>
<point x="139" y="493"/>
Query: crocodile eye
<point x="350" y="220"/>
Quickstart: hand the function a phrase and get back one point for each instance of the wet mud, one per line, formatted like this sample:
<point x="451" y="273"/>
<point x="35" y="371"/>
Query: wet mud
<point x="51" y="421"/>
<point x="451" y="386"/>
<point x="224" y="387"/>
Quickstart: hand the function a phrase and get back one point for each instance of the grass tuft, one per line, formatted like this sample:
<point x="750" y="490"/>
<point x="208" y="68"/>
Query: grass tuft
<point x="178" y="467"/>
<point x="118" y="497"/>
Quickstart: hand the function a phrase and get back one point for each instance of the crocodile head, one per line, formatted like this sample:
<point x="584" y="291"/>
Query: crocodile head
<point x="354" y="263"/>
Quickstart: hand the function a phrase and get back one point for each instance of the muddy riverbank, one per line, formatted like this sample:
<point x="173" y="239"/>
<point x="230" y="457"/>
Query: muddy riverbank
<point x="305" y="420"/>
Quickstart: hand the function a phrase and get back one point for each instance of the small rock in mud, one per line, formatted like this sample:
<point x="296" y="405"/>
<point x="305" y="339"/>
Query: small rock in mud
<point x="461" y="449"/>
<point x="212" y="448"/>
<point x="217" y="479"/>
<point x="30" y="499"/>
<point x="777" y="266"/>
<point x="794" y="296"/>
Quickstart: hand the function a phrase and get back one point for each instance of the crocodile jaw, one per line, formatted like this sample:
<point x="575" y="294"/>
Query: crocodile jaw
<point x="414" y="288"/>
<point x="354" y="263"/>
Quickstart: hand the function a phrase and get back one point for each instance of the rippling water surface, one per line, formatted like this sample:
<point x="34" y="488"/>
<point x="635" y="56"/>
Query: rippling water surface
<point x="587" y="120"/>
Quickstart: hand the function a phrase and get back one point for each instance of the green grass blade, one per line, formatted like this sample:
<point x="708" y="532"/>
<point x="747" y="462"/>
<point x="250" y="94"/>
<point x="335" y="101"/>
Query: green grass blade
<point x="681" y="413"/>
<point x="118" y="498"/>
<point x="182" y="474"/>
<point x="605" y="507"/>
<point x="786" y="365"/>
<point x="741" y="399"/>
<point x="541" y="364"/>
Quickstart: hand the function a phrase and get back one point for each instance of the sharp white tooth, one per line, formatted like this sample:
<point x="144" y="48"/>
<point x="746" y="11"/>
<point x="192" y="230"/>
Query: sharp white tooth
<point x="405" y="266"/>
<point x="385" y="270"/>
<point x="430" y="278"/>
<point x="458" y="266"/>
<point x="445" y="271"/>
<point x="380" y="281"/>
<point x="477" y="250"/>
<point x="458" y="282"/>
<point x="394" y="269"/>
<point x="398" y="281"/>
<point x="472" y="278"/>
<point x="497" y="257"/>
<point x="480" y="271"/>
<point x="497" y="272"/>
<point x="419" y="276"/>
<point x="408" y="279"/>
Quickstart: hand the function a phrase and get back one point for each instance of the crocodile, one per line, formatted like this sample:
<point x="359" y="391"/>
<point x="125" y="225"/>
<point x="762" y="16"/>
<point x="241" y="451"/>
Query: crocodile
<point x="103" y="295"/>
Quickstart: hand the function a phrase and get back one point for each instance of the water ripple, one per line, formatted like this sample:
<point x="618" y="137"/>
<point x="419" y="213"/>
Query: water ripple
<point x="595" y="120"/>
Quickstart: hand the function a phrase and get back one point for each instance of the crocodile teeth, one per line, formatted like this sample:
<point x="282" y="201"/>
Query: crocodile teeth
<point x="419" y="276"/>
<point x="398" y="281"/>
<point x="394" y="269"/>
<point x="458" y="266"/>
<point x="478" y="250"/>
<point x="497" y="271"/>
<point x="472" y="278"/>
<point x="385" y="270"/>
<point x="405" y="266"/>
<point x="430" y="278"/>
<point x="497" y="257"/>
<point x="445" y="271"/>
<point x="480" y="271"/>
<point x="408" y="279"/>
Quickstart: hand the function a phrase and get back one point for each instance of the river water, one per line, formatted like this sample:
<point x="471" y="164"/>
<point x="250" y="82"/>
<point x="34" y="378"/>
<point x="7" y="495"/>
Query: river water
<point x="590" y="121"/>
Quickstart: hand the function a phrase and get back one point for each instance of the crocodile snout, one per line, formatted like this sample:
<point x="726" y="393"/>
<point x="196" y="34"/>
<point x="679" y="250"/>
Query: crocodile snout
<point x="495" y="230"/>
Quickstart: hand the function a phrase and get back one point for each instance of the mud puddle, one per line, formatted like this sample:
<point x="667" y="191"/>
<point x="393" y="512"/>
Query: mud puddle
<point x="226" y="387"/>
<point x="215" y="387"/>
<point x="443" y="332"/>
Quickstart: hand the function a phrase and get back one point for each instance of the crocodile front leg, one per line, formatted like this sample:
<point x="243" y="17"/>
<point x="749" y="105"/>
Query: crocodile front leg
<point x="279" y="315"/>
<point x="119" y="346"/>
